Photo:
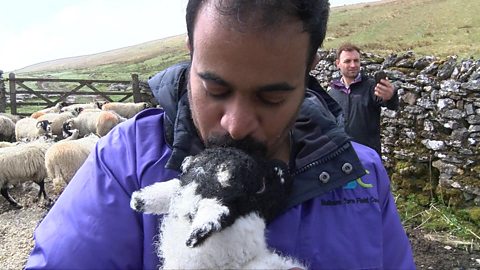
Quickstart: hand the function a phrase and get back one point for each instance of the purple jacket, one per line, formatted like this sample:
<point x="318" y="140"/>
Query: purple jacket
<point x="335" y="219"/>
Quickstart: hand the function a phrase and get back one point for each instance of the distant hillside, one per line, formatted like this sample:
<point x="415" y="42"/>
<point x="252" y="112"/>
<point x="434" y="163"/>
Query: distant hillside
<point x="438" y="27"/>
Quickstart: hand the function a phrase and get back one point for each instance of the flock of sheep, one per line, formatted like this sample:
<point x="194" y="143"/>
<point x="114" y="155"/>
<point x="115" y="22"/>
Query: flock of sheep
<point x="54" y="142"/>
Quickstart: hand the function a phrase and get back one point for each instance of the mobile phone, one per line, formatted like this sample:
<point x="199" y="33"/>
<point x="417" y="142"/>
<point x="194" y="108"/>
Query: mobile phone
<point x="379" y="75"/>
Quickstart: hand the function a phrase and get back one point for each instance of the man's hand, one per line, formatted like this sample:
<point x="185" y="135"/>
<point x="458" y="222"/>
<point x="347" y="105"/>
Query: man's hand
<point x="384" y="90"/>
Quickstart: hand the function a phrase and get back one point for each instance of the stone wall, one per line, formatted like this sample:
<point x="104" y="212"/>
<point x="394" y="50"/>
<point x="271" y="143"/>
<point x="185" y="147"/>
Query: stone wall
<point x="431" y="145"/>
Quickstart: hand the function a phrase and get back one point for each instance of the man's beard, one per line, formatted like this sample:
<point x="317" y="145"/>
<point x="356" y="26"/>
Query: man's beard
<point x="249" y="145"/>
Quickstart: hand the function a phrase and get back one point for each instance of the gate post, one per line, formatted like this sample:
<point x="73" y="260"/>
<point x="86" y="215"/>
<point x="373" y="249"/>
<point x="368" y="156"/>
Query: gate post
<point x="137" y="96"/>
<point x="13" y="93"/>
<point x="3" y="94"/>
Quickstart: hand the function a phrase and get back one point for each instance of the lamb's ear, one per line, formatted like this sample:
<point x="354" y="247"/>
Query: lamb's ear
<point x="209" y="218"/>
<point x="154" y="199"/>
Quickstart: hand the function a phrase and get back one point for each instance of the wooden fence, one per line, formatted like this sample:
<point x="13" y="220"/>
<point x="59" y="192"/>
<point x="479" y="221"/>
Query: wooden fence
<point x="49" y="98"/>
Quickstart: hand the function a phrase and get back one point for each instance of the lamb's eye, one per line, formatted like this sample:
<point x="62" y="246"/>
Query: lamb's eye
<point x="262" y="189"/>
<point x="189" y="216"/>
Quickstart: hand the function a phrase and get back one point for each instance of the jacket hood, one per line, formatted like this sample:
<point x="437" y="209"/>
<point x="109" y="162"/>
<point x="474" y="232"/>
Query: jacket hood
<point x="318" y="138"/>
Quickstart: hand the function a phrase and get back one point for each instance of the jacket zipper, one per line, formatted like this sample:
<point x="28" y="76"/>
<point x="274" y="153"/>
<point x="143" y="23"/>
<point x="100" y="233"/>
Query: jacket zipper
<point x="337" y="152"/>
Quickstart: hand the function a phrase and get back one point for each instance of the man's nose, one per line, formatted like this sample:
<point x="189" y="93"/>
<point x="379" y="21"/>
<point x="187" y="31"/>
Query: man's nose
<point x="240" y="119"/>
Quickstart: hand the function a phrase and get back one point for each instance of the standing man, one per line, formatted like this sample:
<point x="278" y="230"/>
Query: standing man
<point x="361" y="98"/>
<point x="245" y="87"/>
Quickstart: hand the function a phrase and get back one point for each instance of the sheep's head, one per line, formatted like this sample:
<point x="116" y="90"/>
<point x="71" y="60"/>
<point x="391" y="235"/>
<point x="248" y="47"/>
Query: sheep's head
<point x="44" y="128"/>
<point x="231" y="184"/>
<point x="215" y="188"/>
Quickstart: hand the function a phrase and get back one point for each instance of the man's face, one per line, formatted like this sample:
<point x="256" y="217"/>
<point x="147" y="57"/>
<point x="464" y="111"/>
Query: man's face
<point x="246" y="84"/>
<point x="349" y="64"/>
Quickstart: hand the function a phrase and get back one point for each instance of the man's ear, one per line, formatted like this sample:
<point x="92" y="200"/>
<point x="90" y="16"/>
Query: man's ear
<point x="316" y="59"/>
<point x="189" y="46"/>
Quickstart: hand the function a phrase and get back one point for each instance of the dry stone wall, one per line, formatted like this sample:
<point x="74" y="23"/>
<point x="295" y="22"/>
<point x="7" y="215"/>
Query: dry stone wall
<point x="431" y="145"/>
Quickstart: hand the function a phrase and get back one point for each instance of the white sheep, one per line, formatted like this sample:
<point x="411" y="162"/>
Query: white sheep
<point x="73" y="107"/>
<point x="7" y="144"/>
<point x="57" y="120"/>
<point x="127" y="110"/>
<point x="217" y="211"/>
<point x="7" y="129"/>
<point x="96" y="122"/>
<point x="64" y="158"/>
<point x="55" y="109"/>
<point x="22" y="163"/>
<point x="28" y="129"/>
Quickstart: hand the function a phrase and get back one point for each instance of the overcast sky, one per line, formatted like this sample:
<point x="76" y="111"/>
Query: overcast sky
<point x="34" y="31"/>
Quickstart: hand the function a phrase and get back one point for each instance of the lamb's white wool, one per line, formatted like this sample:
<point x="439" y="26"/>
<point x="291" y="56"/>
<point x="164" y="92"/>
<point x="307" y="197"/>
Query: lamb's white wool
<point x="223" y="175"/>
<point x="280" y="174"/>
<point x="155" y="199"/>
<point x="216" y="219"/>
<point x="207" y="219"/>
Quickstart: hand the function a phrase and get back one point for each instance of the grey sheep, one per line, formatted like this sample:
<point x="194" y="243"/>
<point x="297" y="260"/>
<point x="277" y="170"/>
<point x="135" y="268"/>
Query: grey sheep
<point x="7" y="129"/>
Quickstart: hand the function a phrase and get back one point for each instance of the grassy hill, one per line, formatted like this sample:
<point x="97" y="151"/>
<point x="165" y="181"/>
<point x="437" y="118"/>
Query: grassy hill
<point x="428" y="27"/>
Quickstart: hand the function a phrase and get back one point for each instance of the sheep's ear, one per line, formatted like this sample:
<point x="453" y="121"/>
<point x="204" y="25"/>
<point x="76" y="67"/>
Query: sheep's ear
<point x="154" y="199"/>
<point x="210" y="218"/>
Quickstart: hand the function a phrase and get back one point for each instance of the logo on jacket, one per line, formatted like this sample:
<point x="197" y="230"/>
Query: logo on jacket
<point x="358" y="182"/>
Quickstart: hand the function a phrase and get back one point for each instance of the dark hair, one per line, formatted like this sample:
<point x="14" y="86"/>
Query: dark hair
<point x="267" y="13"/>
<point x="347" y="47"/>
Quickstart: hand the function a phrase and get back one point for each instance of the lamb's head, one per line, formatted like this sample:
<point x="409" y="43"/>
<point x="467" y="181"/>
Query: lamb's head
<point x="228" y="184"/>
<point x="215" y="188"/>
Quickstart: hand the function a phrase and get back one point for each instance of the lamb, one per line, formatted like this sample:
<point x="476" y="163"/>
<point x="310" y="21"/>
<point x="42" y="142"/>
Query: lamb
<point x="97" y="122"/>
<point x="7" y="129"/>
<point x="55" y="109"/>
<point x="216" y="213"/>
<point x="64" y="158"/>
<point x="127" y="110"/>
<point x="22" y="163"/>
<point x="28" y="129"/>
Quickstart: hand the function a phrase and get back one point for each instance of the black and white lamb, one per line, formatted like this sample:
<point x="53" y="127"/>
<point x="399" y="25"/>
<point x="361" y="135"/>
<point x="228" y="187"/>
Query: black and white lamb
<point x="216" y="212"/>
